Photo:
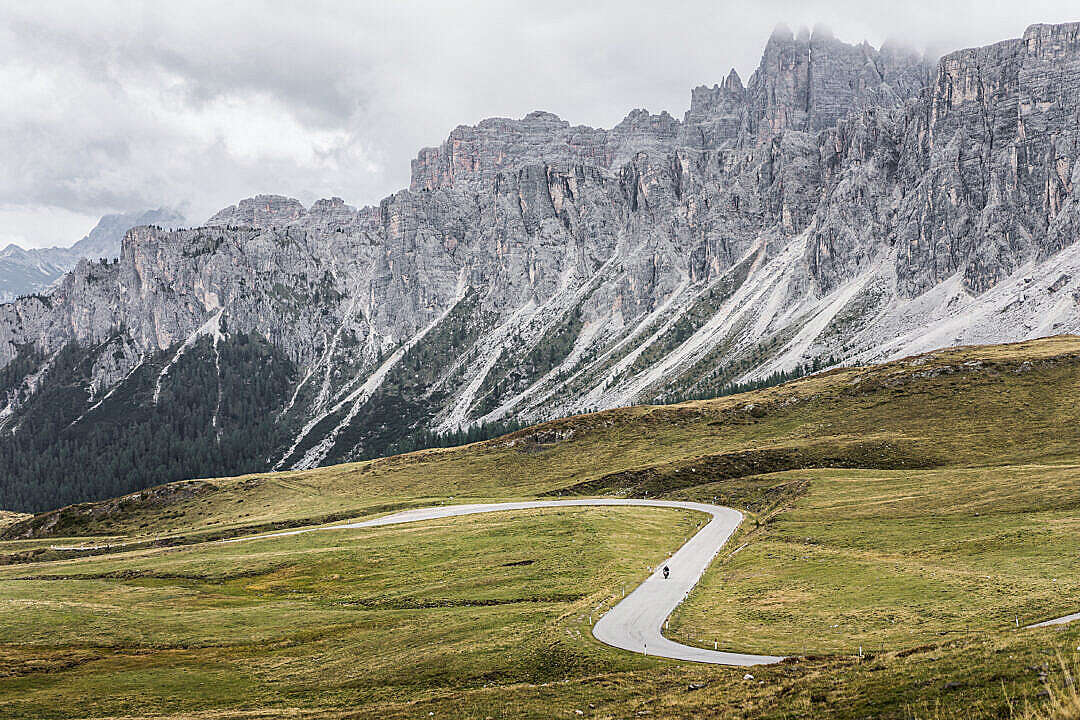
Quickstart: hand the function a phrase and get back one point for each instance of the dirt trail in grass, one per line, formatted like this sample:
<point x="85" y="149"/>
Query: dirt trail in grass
<point x="635" y="623"/>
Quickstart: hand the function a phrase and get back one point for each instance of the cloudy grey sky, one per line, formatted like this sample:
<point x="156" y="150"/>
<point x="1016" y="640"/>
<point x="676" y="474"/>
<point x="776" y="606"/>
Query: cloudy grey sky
<point x="113" y="106"/>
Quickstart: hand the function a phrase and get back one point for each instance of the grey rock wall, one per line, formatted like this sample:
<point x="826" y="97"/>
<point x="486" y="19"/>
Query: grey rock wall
<point x="847" y="202"/>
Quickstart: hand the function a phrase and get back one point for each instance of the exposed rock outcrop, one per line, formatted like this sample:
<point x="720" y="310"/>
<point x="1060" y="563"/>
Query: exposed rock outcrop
<point x="846" y="203"/>
<point x="24" y="272"/>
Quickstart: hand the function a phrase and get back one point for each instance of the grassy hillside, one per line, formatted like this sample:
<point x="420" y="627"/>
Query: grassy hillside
<point x="10" y="518"/>
<point x="915" y="510"/>
<point x="895" y="559"/>
<point x="358" y="616"/>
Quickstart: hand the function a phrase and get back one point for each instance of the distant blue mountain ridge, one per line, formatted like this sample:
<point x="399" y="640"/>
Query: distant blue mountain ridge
<point x="24" y="272"/>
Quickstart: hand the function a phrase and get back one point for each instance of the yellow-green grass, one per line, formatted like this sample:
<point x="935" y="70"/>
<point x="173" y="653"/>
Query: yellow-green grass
<point x="895" y="559"/>
<point x="920" y="507"/>
<point x="325" y="618"/>
<point x="1063" y="696"/>
<point x="8" y="518"/>
<point x="447" y="617"/>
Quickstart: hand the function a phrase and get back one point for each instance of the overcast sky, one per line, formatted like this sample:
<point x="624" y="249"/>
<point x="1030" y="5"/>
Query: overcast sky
<point x="116" y="106"/>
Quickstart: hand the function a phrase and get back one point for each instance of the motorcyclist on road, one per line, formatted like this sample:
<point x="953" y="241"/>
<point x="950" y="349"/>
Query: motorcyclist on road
<point x="666" y="572"/>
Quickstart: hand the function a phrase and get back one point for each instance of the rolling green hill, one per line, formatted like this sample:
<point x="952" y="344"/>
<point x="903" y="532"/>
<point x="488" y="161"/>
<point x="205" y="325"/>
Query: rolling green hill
<point x="902" y="521"/>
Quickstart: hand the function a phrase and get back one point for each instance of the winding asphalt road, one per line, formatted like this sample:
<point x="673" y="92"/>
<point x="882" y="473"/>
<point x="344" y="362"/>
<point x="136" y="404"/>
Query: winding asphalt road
<point x="1064" y="620"/>
<point x="635" y="623"/>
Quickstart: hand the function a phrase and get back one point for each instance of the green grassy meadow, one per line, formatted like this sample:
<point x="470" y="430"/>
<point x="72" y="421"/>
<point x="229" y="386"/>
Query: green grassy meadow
<point x="917" y="511"/>
<point x="351" y="616"/>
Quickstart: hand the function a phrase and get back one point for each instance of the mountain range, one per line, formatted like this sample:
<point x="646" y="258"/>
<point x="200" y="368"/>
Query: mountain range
<point x="846" y="204"/>
<point x="27" y="271"/>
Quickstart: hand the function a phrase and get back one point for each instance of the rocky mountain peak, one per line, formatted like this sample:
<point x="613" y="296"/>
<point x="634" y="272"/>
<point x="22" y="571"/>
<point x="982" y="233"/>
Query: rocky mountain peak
<point x="639" y="131"/>
<point x="332" y="215"/>
<point x="473" y="155"/>
<point x="781" y="34"/>
<point x="103" y="240"/>
<point x="846" y="204"/>
<point x="716" y="116"/>
<point x="1060" y="37"/>
<point x="733" y="83"/>
<point x="810" y="81"/>
<point x="260" y="211"/>
<point x="12" y="250"/>
<point x="36" y="270"/>
<point x="540" y="118"/>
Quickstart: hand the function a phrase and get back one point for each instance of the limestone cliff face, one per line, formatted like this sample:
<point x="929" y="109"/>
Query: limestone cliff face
<point x="809" y="82"/>
<point x="846" y="203"/>
<point x="27" y="271"/>
<point x="259" y="212"/>
<point x="997" y="147"/>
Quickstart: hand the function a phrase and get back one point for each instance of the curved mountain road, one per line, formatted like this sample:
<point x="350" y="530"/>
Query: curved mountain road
<point x="1064" y="620"/>
<point x="635" y="623"/>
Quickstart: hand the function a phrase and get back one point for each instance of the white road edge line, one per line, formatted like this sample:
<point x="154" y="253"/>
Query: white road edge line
<point x="636" y="622"/>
